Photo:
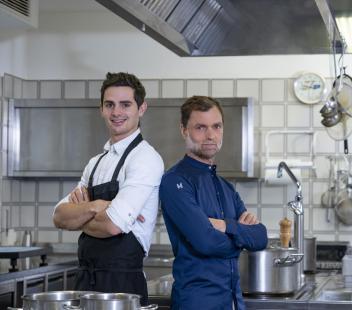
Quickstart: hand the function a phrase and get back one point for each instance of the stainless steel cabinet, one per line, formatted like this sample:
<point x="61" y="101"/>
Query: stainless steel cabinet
<point x="56" y="138"/>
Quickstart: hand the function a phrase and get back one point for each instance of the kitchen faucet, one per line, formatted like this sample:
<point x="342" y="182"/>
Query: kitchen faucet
<point x="297" y="207"/>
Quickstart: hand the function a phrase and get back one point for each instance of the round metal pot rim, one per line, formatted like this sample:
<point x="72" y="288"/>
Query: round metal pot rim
<point x="110" y="296"/>
<point x="54" y="296"/>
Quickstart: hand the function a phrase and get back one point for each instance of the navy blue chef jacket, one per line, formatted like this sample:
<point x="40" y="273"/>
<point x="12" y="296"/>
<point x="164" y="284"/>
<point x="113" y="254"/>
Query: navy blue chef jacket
<point x="205" y="268"/>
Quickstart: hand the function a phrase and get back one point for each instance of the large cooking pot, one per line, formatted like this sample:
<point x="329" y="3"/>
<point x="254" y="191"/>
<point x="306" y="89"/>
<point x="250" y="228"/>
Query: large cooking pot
<point x="56" y="300"/>
<point x="110" y="301"/>
<point x="270" y="271"/>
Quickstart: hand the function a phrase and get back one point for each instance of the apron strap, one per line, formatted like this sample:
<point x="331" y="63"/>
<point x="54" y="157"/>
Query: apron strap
<point x="90" y="182"/>
<point x="131" y="146"/>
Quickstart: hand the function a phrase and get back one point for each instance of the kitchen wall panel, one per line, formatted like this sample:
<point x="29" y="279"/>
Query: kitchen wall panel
<point x="45" y="214"/>
<point x="248" y="88"/>
<point x="27" y="216"/>
<point x="273" y="115"/>
<point x="50" y="89"/>
<point x="74" y="89"/>
<point x="197" y="87"/>
<point x="31" y="202"/>
<point x="17" y="88"/>
<point x="173" y="89"/>
<point x="94" y="89"/>
<point x="298" y="116"/>
<point x="70" y="236"/>
<point x="268" y="95"/>
<point x="152" y="88"/>
<point x="27" y="191"/>
<point x="222" y="88"/>
<point x="30" y="89"/>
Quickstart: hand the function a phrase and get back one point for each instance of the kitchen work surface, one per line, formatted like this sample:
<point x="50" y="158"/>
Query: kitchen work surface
<point x="15" y="252"/>
<point x="317" y="293"/>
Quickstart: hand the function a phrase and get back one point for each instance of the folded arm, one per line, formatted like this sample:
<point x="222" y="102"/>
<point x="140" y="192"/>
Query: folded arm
<point x="73" y="216"/>
<point x="245" y="230"/>
<point x="178" y="202"/>
<point x="89" y="216"/>
<point x="101" y="226"/>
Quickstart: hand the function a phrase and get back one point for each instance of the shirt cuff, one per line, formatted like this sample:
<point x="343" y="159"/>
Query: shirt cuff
<point x="122" y="220"/>
<point x="231" y="227"/>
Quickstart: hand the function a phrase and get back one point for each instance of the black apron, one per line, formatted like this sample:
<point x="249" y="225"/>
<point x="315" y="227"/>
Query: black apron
<point x="113" y="264"/>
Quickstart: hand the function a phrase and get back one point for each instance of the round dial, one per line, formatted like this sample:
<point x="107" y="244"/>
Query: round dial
<point x="309" y="88"/>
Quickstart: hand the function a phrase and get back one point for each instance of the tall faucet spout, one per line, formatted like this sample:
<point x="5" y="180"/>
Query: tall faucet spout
<point x="297" y="207"/>
<point x="283" y="165"/>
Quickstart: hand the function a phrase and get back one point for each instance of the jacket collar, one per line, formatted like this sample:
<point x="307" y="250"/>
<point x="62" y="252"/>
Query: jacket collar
<point x="200" y="165"/>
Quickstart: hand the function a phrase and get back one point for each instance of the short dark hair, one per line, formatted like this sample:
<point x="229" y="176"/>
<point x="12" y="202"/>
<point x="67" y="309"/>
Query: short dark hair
<point x="124" y="79"/>
<point x="198" y="103"/>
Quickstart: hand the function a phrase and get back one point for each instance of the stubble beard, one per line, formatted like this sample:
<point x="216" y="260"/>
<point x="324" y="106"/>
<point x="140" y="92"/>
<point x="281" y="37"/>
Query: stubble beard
<point x="196" y="149"/>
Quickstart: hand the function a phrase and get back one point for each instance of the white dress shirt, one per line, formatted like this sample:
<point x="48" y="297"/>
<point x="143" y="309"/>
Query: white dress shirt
<point x="139" y="180"/>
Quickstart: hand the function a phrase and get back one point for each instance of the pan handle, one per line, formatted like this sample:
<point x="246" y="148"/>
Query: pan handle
<point x="289" y="260"/>
<point x="150" y="307"/>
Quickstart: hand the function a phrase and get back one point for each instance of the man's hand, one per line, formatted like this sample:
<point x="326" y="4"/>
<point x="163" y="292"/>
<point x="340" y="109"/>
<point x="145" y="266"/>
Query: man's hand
<point x="100" y="205"/>
<point x="248" y="218"/>
<point x="219" y="225"/>
<point x="79" y="195"/>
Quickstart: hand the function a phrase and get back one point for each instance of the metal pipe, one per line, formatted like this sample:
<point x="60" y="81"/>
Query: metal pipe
<point x="297" y="207"/>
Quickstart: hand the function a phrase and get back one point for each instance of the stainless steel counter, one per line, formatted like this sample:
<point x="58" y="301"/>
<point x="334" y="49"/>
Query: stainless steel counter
<point x="312" y="295"/>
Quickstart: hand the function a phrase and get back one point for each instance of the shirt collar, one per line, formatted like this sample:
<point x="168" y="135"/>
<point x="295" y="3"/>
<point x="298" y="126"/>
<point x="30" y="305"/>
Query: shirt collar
<point x="200" y="165"/>
<point x="120" y="146"/>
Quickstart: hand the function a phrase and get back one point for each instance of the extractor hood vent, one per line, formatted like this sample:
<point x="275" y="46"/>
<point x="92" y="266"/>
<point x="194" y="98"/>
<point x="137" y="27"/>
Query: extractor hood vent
<point x="18" y="13"/>
<point x="160" y="8"/>
<point x="229" y="28"/>
<point x="21" y="7"/>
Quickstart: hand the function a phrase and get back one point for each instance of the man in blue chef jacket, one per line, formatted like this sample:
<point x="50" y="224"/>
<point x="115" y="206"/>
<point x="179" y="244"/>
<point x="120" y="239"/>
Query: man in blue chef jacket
<point x="206" y="219"/>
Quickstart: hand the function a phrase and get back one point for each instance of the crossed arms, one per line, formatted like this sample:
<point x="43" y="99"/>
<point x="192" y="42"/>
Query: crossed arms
<point x="209" y="236"/>
<point x="79" y="213"/>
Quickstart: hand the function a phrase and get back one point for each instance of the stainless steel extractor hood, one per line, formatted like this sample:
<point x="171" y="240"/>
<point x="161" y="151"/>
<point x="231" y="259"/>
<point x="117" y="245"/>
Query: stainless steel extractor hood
<point x="235" y="27"/>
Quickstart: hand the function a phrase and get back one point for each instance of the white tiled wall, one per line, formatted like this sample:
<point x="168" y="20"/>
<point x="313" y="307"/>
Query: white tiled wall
<point x="31" y="202"/>
<point x="222" y="88"/>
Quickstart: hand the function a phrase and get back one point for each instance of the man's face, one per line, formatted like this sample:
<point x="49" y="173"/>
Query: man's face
<point x="120" y="112"/>
<point x="203" y="135"/>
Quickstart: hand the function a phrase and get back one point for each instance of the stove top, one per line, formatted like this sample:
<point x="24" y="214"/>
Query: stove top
<point x="330" y="254"/>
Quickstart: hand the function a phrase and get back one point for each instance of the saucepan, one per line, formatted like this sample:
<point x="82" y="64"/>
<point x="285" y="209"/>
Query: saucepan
<point x="110" y="301"/>
<point x="55" y="300"/>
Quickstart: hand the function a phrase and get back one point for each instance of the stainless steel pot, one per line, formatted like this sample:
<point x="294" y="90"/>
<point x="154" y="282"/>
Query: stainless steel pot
<point x="343" y="207"/>
<point x="310" y="255"/>
<point x="56" y="300"/>
<point x="270" y="271"/>
<point x="110" y="301"/>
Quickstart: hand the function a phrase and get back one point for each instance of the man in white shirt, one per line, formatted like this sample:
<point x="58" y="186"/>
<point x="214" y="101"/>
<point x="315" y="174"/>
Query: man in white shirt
<point x="116" y="202"/>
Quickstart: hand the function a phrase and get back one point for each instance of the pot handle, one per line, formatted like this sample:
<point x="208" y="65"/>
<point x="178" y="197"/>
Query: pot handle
<point x="12" y="308"/>
<point x="70" y="307"/>
<point x="150" y="307"/>
<point x="289" y="260"/>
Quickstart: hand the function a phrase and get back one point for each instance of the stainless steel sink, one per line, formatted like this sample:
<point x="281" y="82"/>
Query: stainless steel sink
<point x="335" y="295"/>
<point x="161" y="286"/>
<point x="159" y="262"/>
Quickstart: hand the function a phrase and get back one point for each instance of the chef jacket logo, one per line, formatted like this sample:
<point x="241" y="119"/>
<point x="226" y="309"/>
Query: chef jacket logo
<point x="179" y="185"/>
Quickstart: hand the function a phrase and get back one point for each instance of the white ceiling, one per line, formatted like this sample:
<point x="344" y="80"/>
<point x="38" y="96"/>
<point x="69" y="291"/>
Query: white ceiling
<point x="69" y="5"/>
